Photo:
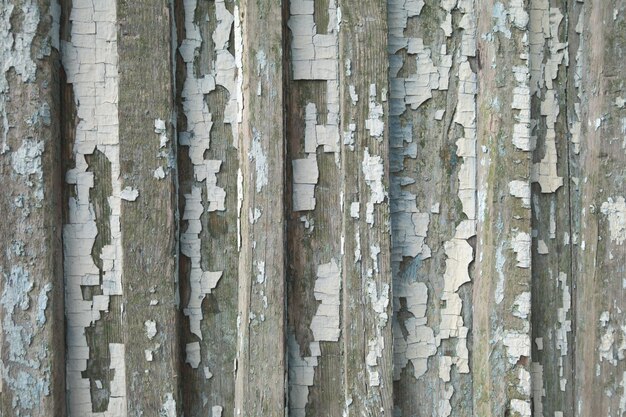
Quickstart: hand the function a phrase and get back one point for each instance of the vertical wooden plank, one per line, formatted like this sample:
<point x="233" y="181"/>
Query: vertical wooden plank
<point x="208" y="96"/>
<point x="552" y="351"/>
<point x="92" y="238"/>
<point x="598" y="207"/>
<point x="31" y="303"/>
<point x="338" y="219"/>
<point x="260" y="368"/>
<point x="433" y="154"/>
<point x="149" y="228"/>
<point x="365" y="240"/>
<point x="501" y="336"/>
<point x="314" y="210"/>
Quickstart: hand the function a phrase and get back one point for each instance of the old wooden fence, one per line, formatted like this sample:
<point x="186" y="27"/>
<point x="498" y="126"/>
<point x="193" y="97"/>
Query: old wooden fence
<point x="315" y="208"/>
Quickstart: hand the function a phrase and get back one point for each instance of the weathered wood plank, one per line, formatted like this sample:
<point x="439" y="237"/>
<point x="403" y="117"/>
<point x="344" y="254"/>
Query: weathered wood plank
<point x="501" y="321"/>
<point x="314" y="210"/>
<point x="338" y="237"/>
<point x="208" y="163"/>
<point x="92" y="239"/>
<point x="149" y="228"/>
<point x="32" y="378"/>
<point x="366" y="240"/>
<point x="597" y="205"/>
<point x="236" y="218"/>
<point x="260" y="362"/>
<point x="552" y="358"/>
<point x="432" y="49"/>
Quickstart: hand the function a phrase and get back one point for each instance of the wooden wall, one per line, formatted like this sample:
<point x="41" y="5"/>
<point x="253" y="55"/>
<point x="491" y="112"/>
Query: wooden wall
<point x="313" y="208"/>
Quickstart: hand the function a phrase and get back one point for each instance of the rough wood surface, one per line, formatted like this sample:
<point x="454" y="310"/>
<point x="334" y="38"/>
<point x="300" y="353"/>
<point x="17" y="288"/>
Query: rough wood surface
<point x="501" y="293"/>
<point x="32" y="379"/>
<point x="150" y="320"/>
<point x="312" y="208"/>
<point x="260" y="372"/>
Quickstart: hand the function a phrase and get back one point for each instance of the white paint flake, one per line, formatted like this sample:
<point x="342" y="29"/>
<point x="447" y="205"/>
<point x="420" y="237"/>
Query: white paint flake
<point x="161" y="130"/>
<point x="522" y="138"/>
<point x="373" y="171"/>
<point x="615" y="210"/>
<point x="521" y="246"/>
<point x="15" y="53"/>
<point x="129" y="194"/>
<point x="159" y="173"/>
<point x="151" y="329"/>
<point x="374" y="122"/>
<point x="168" y="409"/>
<point x="192" y="351"/>
<point x="521" y="407"/>
<point x="325" y="323"/>
<point x="520" y="189"/>
<point x="517" y="344"/>
<point x="260" y="160"/>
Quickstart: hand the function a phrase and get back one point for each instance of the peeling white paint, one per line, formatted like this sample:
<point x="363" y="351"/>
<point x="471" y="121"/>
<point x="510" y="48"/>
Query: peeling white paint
<point x="168" y="409"/>
<point x="90" y="62"/>
<point x="517" y="344"/>
<point x="129" y="194"/>
<point x="373" y="171"/>
<point x="151" y="329"/>
<point x="325" y="323"/>
<point x="325" y="327"/>
<point x="536" y="372"/>
<point x="521" y="246"/>
<point x="565" y="325"/>
<point x="192" y="354"/>
<point x="615" y="210"/>
<point x="520" y="189"/>
<point x="315" y="56"/>
<point x="410" y="220"/>
<point x="260" y="160"/>
<point x="420" y="343"/>
<point x="374" y="122"/>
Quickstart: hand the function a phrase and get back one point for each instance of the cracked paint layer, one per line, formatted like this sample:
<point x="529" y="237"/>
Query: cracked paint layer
<point x="205" y="194"/>
<point x="373" y="172"/>
<point x="615" y="210"/>
<point x="314" y="56"/>
<point x="27" y="390"/>
<point x="15" y="53"/>
<point x="544" y="68"/>
<point x="325" y="327"/>
<point x="92" y="72"/>
<point x="415" y="339"/>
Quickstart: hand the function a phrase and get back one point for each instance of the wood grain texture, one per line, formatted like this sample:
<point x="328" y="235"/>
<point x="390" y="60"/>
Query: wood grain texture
<point x="312" y="208"/>
<point x="31" y="269"/>
<point x="260" y="362"/>
<point x="219" y="236"/>
<point x="501" y="270"/>
<point x="149" y="225"/>
<point x="366" y="281"/>
<point x="597" y="248"/>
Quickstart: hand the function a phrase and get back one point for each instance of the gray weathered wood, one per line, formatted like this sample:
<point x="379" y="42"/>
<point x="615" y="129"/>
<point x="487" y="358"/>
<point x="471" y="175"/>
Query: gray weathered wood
<point x="31" y="280"/>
